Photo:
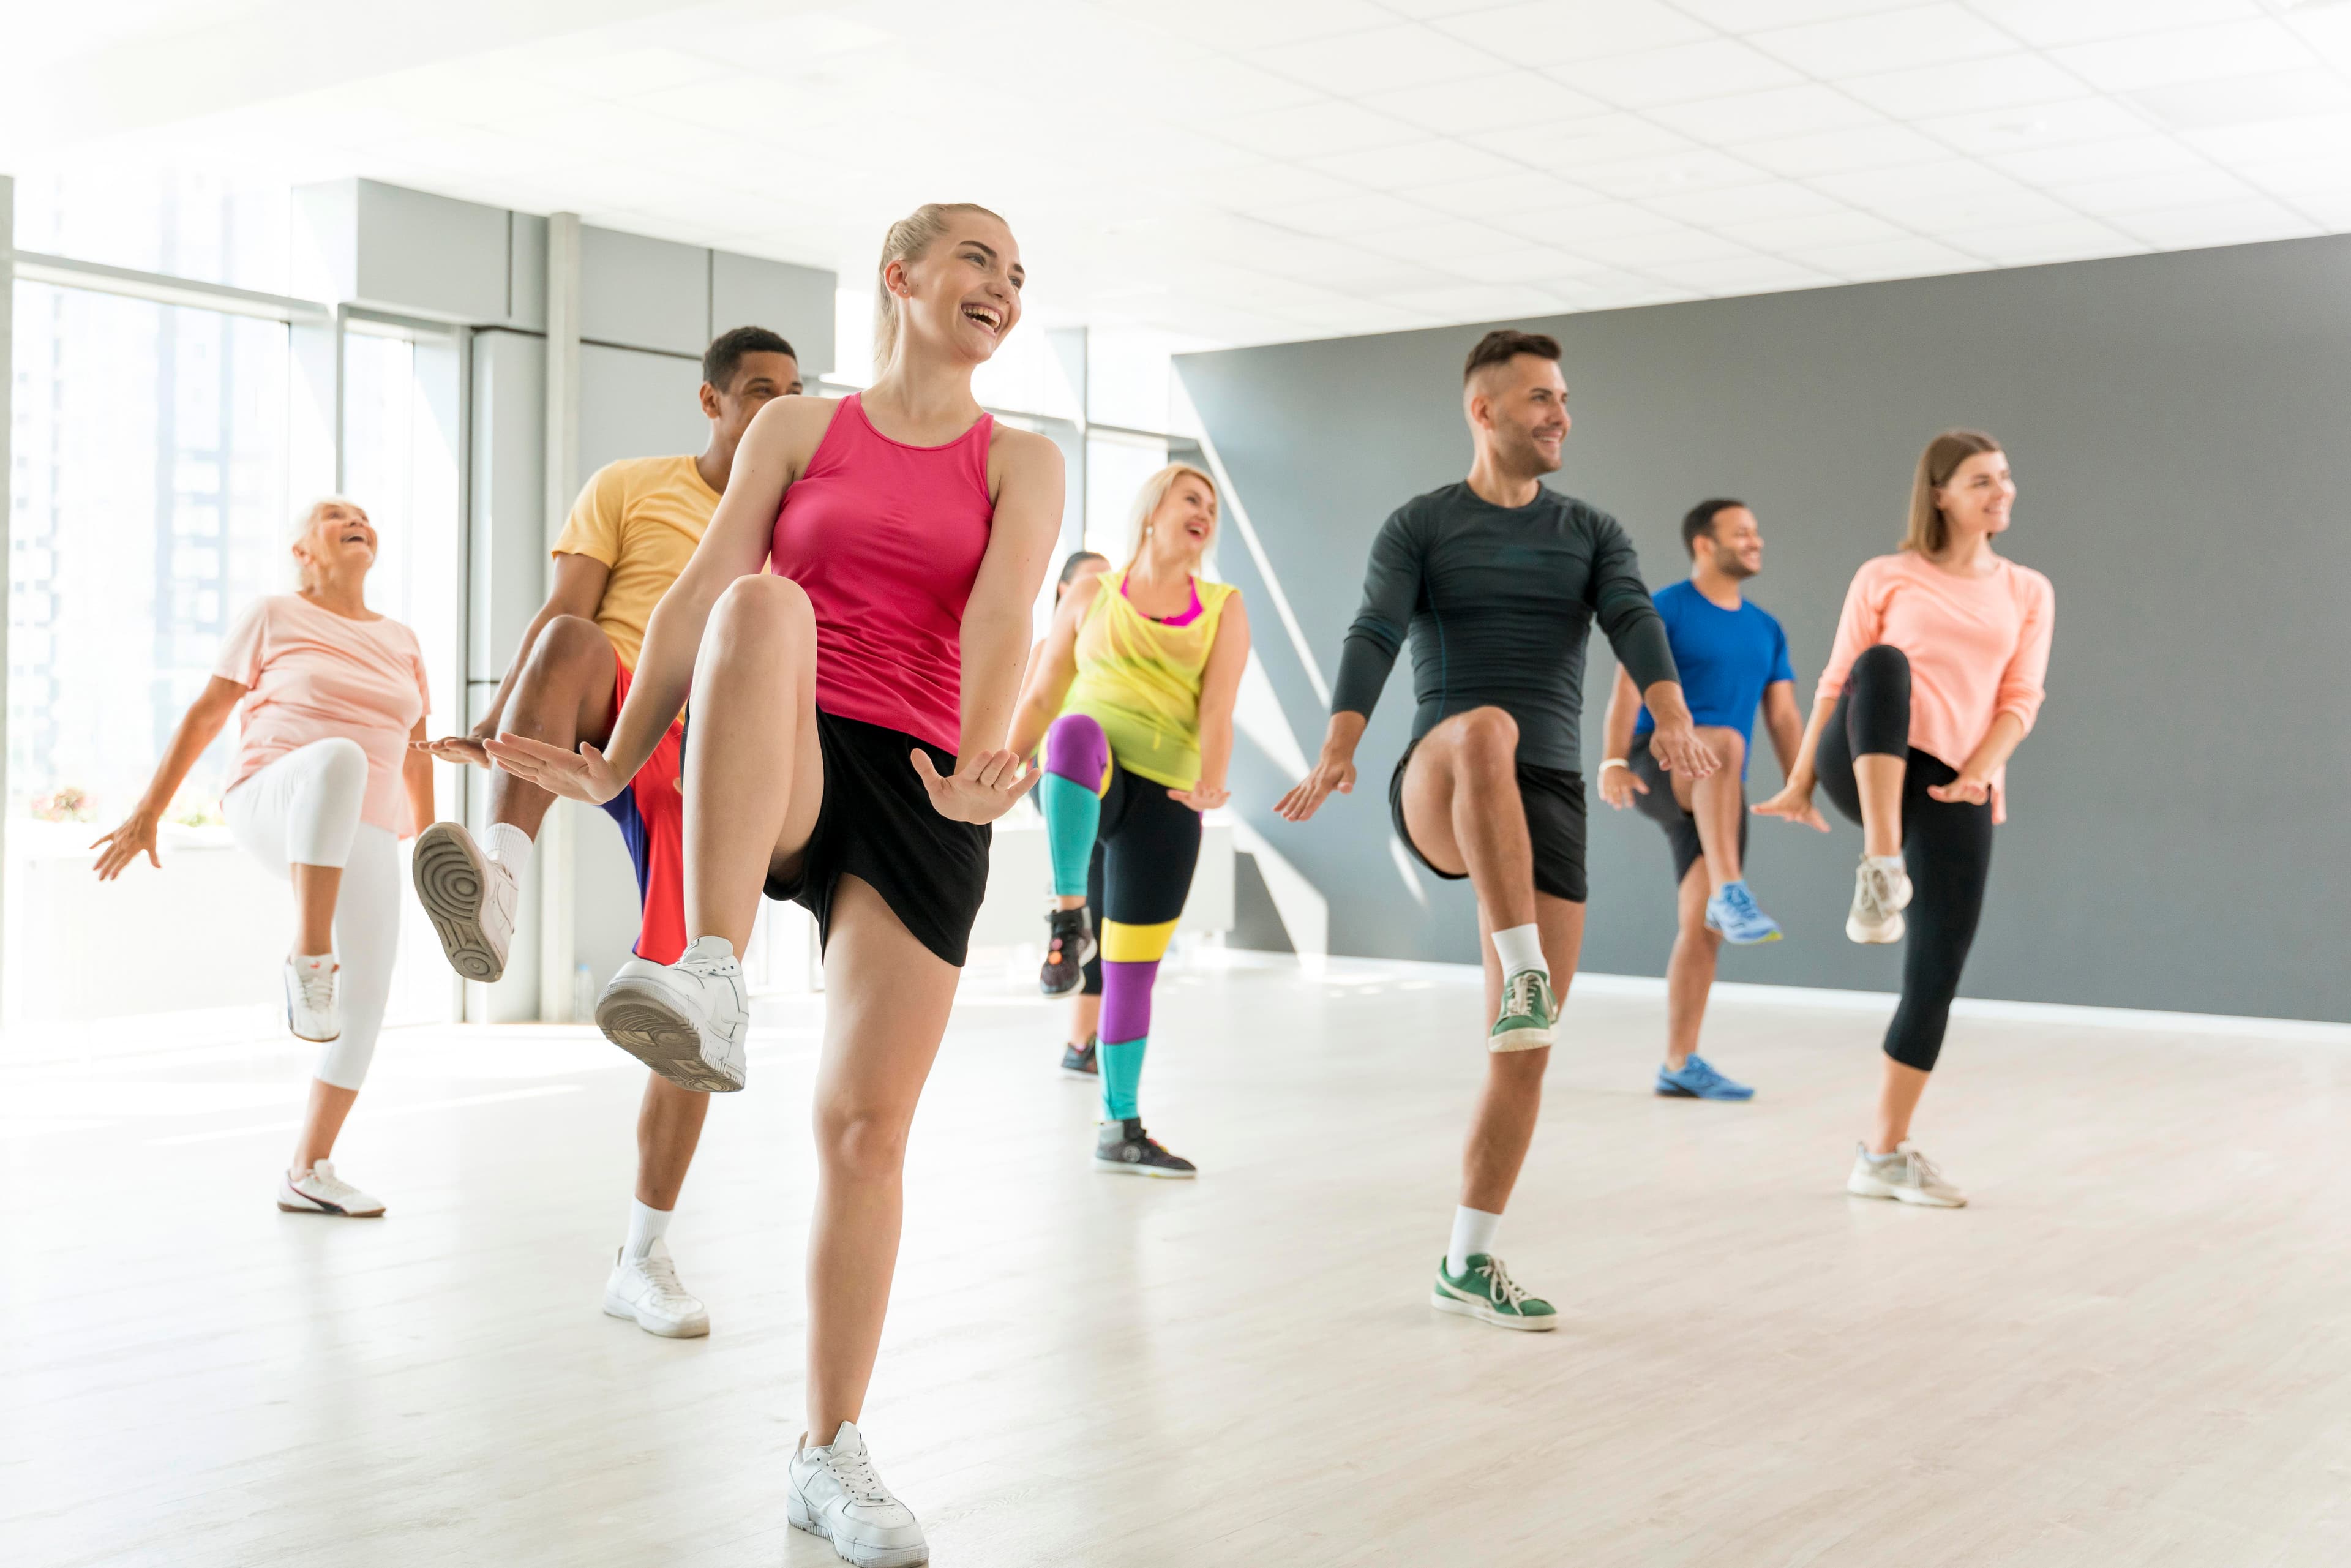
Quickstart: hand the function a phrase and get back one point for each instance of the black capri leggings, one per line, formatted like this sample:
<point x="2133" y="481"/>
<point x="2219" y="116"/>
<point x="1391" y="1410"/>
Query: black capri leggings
<point x="1947" y="845"/>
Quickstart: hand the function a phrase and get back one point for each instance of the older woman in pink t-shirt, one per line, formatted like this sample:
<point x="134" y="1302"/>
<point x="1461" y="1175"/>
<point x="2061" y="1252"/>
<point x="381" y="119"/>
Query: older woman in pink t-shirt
<point x="1934" y="678"/>
<point x="323" y="790"/>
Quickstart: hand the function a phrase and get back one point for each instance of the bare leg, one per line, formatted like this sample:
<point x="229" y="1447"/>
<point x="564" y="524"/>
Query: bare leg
<point x="887" y="1001"/>
<point x="1718" y="803"/>
<point x="1462" y="808"/>
<point x="316" y="888"/>
<point x="1899" y="1090"/>
<point x="1504" y="1123"/>
<point x="1689" y="972"/>
<point x="565" y="695"/>
<point x="669" y="1129"/>
<point x="1877" y="778"/>
<point x="322" y="1123"/>
<point x="1085" y="1019"/>
<point x="754" y="775"/>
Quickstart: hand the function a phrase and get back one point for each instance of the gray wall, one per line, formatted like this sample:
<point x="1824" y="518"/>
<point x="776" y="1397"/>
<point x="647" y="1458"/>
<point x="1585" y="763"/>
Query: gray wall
<point x="2178" y="835"/>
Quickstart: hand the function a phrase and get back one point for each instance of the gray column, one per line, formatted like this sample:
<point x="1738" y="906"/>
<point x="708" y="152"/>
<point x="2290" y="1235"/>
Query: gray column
<point x="556" y="924"/>
<point x="7" y="476"/>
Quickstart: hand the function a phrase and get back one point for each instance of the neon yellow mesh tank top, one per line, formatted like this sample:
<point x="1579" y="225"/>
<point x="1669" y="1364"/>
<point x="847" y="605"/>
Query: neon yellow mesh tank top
<point x="1140" y="680"/>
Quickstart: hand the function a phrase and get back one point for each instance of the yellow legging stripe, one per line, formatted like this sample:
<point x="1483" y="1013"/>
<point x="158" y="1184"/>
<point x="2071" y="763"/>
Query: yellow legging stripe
<point x="1124" y="943"/>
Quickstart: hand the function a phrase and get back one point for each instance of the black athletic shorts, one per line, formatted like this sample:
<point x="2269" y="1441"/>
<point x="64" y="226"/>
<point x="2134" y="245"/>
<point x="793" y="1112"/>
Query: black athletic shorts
<point x="1658" y="806"/>
<point x="877" y="824"/>
<point x="1553" y="797"/>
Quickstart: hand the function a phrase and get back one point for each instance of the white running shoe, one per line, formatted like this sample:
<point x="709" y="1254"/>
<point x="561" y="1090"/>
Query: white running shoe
<point x="687" y="1021"/>
<point x="835" y="1492"/>
<point x="1880" y="894"/>
<point x="319" y="1190"/>
<point x="1908" y="1178"/>
<point x="470" y="897"/>
<point x="310" y="1011"/>
<point x="647" y="1289"/>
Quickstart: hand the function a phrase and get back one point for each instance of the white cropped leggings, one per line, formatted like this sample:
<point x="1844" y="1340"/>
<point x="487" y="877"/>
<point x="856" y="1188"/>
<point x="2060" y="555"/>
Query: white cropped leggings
<point x="303" y="809"/>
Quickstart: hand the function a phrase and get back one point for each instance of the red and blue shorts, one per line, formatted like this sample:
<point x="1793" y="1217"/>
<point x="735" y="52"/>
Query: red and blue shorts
<point x="652" y="815"/>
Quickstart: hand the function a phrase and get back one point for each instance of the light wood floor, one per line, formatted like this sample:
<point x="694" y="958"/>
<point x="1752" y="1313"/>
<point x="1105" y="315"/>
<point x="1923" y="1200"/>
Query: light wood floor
<point x="2135" y="1348"/>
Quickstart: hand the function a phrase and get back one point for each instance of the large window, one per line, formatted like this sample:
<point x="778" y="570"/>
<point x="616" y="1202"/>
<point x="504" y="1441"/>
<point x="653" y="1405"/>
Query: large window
<point x="199" y="225"/>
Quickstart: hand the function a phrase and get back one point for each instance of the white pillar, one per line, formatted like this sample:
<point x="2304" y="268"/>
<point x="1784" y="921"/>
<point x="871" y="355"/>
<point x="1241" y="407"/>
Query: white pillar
<point x="554" y="854"/>
<point x="7" y="470"/>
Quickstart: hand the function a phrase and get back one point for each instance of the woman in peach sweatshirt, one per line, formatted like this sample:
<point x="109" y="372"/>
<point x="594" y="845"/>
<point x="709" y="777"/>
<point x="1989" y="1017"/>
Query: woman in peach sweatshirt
<point x="1934" y="678"/>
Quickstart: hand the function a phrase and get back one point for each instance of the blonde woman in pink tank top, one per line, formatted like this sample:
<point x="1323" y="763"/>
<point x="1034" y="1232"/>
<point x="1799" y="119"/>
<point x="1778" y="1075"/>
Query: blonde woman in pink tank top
<point x="1936" y="676"/>
<point x="846" y="750"/>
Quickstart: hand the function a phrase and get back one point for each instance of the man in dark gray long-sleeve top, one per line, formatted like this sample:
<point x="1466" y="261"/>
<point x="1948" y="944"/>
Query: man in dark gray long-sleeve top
<point x="1497" y="582"/>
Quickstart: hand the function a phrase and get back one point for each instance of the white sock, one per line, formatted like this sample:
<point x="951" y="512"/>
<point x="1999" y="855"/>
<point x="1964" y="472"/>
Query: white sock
<point x="1884" y="862"/>
<point x="646" y="1223"/>
<point x="314" y="960"/>
<point x="1473" y="1230"/>
<point x="1520" y="949"/>
<point x="509" y="846"/>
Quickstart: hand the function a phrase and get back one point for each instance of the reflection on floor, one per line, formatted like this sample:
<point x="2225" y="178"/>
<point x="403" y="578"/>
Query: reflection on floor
<point x="2133" y="1349"/>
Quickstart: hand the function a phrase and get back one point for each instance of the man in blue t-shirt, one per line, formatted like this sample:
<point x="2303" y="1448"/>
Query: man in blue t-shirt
<point x="1733" y="656"/>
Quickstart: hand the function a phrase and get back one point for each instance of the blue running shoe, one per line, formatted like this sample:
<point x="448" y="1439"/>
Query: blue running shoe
<point x="1697" y="1080"/>
<point x="1732" y="912"/>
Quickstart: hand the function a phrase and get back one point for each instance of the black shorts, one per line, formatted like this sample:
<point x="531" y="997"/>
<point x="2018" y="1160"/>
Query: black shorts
<point x="1659" y="807"/>
<point x="877" y="824"/>
<point x="1553" y="797"/>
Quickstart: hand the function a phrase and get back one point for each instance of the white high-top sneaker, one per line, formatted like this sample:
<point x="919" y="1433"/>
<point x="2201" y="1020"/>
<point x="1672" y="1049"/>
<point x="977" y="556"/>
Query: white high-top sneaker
<point x="834" y="1491"/>
<point x="470" y="897"/>
<point x="319" y="1190"/>
<point x="688" y="1020"/>
<point x="645" y="1290"/>
<point x="310" y="1011"/>
<point x="1881" y="891"/>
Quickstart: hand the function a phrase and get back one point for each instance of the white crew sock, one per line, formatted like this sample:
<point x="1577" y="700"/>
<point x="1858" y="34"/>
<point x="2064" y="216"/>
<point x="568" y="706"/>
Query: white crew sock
<point x="509" y="846"/>
<point x="1473" y="1231"/>
<point x="1884" y="862"/>
<point x="646" y="1223"/>
<point x="1520" y="949"/>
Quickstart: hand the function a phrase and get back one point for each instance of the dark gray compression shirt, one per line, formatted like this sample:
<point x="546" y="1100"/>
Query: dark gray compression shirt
<point x="1498" y="602"/>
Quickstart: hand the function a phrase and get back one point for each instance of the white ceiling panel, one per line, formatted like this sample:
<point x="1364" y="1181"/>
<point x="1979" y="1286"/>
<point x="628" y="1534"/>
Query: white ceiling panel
<point x="1229" y="170"/>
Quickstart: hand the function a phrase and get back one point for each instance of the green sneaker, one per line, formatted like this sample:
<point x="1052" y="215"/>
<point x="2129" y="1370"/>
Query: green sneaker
<point x="1486" y="1292"/>
<point x="1529" y="1013"/>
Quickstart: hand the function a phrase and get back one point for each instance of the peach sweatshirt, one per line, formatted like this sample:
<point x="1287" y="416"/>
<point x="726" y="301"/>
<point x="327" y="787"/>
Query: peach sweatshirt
<point x="1978" y="647"/>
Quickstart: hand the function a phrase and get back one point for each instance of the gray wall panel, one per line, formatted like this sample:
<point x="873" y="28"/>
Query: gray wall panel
<point x="2175" y="422"/>
<point x="643" y="293"/>
<point x="796" y="301"/>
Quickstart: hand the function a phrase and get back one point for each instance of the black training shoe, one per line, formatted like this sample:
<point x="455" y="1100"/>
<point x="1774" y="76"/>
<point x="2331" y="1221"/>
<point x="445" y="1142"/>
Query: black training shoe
<point x="1123" y="1148"/>
<point x="1068" y="947"/>
<point x="1078" y="1061"/>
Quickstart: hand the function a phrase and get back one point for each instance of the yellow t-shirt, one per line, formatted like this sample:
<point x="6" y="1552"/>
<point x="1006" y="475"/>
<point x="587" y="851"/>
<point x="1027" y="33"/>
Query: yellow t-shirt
<point x="641" y="516"/>
<point x="1140" y="680"/>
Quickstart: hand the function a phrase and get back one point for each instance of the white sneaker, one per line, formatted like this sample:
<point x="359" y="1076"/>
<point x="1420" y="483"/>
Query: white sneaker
<point x="1908" y="1178"/>
<point x="685" y="1020"/>
<point x="835" y="1492"/>
<point x="1880" y="894"/>
<point x="310" y="1011"/>
<point x="319" y="1190"/>
<point x="647" y="1289"/>
<point x="470" y="897"/>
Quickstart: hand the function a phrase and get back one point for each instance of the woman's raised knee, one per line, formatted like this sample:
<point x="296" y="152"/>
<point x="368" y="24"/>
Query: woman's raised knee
<point x="764" y="606"/>
<point x="1882" y="661"/>
<point x="342" y="764"/>
<point x="1077" y="750"/>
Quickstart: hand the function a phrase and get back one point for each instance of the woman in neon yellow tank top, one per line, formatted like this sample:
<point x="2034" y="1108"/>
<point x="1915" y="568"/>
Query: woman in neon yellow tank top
<point x="1132" y="698"/>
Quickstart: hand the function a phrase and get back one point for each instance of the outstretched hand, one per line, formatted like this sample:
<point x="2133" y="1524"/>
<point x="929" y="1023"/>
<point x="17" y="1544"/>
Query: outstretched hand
<point x="1202" y="797"/>
<point x="473" y="750"/>
<point x="585" y="774"/>
<point x="1793" y="803"/>
<point x="1619" y="784"/>
<point x="1677" y="749"/>
<point x="981" y="789"/>
<point x="125" y="844"/>
<point x="1972" y="788"/>
<point x="1328" y="776"/>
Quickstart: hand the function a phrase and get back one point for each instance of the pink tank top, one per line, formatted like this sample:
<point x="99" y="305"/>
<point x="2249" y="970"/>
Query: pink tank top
<point x="886" y="540"/>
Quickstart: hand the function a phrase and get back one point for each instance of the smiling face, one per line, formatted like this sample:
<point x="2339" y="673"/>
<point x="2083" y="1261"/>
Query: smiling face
<point x="337" y="541"/>
<point x="1517" y="412"/>
<point x="1184" y="525"/>
<point x="1735" y="543"/>
<point x="962" y="294"/>
<point x="1979" y="496"/>
<point x="759" y="379"/>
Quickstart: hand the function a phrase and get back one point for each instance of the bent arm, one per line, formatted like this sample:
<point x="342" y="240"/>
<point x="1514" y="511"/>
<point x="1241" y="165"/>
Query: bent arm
<point x="735" y="545"/>
<point x="416" y="778"/>
<point x="1221" y="690"/>
<point x="1054" y="668"/>
<point x="1624" y="712"/>
<point x="996" y="617"/>
<point x="578" y="589"/>
<point x="198" y="728"/>
<point x="1391" y="585"/>
<point x="1785" y="723"/>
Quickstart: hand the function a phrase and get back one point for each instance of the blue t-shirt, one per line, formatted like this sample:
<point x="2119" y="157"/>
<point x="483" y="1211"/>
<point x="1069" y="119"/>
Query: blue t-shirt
<point x="1726" y="658"/>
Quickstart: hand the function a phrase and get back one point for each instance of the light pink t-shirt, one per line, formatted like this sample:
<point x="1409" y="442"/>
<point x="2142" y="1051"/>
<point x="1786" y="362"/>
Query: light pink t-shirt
<point x="1978" y="647"/>
<point x="313" y="675"/>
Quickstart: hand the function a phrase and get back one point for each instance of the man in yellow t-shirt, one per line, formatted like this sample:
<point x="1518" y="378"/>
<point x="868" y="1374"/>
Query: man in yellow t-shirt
<point x="631" y="533"/>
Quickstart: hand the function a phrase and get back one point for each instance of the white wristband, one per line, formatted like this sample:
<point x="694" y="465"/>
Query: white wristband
<point x="1613" y="762"/>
